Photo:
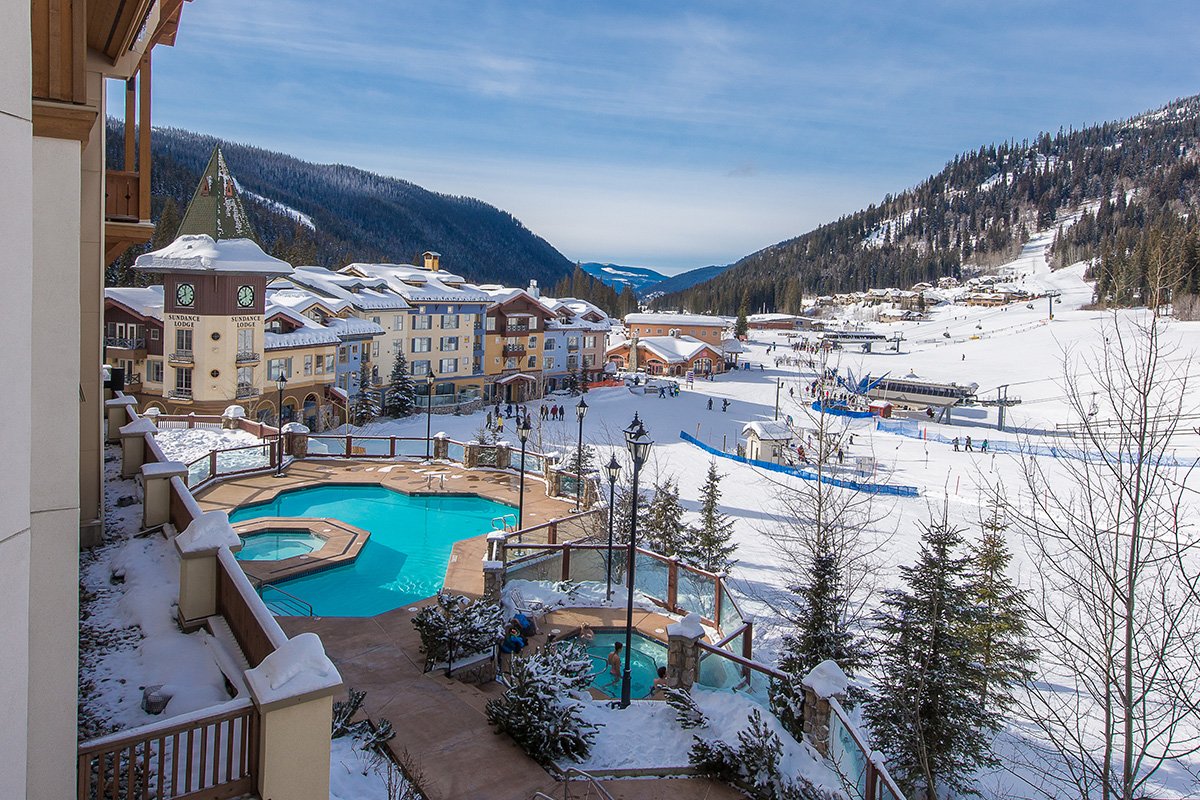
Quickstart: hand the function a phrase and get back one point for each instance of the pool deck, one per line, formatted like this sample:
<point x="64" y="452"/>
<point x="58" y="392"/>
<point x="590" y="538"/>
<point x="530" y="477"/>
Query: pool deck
<point x="441" y="723"/>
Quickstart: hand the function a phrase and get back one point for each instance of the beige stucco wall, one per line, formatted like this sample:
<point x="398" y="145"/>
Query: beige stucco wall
<point x="89" y="186"/>
<point x="286" y="731"/>
<point x="54" y="502"/>
<point x="16" y="331"/>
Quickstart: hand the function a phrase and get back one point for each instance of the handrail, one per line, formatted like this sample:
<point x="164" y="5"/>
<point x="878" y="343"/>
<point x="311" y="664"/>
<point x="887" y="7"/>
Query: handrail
<point x="876" y="768"/>
<point x="748" y="663"/>
<point x="292" y="600"/>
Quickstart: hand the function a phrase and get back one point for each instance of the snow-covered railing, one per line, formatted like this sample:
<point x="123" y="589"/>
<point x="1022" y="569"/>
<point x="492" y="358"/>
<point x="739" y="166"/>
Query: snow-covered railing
<point x="862" y="767"/>
<point x="253" y="625"/>
<point x="209" y="753"/>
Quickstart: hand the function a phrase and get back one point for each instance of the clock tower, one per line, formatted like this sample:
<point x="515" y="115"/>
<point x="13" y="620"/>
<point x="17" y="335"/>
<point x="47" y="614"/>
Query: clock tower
<point x="215" y="277"/>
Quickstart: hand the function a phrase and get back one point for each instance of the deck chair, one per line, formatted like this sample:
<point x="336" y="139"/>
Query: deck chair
<point x="535" y="609"/>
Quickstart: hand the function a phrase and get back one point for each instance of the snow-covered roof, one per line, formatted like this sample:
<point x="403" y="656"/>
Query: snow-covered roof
<point x="201" y="253"/>
<point x="671" y="349"/>
<point x="416" y="284"/>
<point x="772" y="317"/>
<point x="144" y="300"/>
<point x="768" y="430"/>
<point x="365" y="294"/>
<point x="732" y="346"/>
<point x="674" y="319"/>
<point x="307" y="333"/>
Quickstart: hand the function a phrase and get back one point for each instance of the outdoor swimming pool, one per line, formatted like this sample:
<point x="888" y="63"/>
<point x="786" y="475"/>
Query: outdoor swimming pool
<point x="278" y="545"/>
<point x="404" y="560"/>
<point x="648" y="656"/>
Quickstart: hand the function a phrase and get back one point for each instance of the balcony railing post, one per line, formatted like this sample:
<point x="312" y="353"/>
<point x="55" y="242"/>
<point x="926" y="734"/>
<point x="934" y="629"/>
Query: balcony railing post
<point x="718" y="584"/>
<point x="552" y="532"/>
<point x="349" y="447"/>
<point x="212" y="463"/>
<point x="566" y="561"/>
<point x="673" y="584"/>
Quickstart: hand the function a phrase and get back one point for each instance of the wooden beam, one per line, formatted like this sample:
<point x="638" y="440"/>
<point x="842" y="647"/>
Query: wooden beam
<point x="130" y="124"/>
<point x="144" y="138"/>
<point x="63" y="120"/>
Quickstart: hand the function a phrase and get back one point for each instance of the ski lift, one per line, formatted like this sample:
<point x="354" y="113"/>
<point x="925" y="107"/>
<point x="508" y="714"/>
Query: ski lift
<point x="946" y="334"/>
<point x="978" y="327"/>
<point x="1029" y="305"/>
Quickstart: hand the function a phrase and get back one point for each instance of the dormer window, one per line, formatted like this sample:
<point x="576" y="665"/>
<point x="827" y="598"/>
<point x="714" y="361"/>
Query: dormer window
<point x="274" y="326"/>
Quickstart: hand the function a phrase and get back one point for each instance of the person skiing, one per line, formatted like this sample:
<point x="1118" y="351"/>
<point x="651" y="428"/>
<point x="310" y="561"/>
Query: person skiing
<point x="983" y="446"/>
<point x="955" y="443"/>
<point x="725" y="404"/>
<point x="840" y="455"/>
<point x="969" y="448"/>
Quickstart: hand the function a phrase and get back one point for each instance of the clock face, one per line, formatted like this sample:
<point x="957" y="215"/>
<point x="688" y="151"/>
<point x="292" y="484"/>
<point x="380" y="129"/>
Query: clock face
<point x="245" y="296"/>
<point x="185" y="294"/>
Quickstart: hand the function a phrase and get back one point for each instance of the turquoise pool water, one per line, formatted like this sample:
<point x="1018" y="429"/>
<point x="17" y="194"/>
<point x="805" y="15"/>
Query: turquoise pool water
<point x="648" y="656"/>
<point x="276" y="546"/>
<point x="404" y="560"/>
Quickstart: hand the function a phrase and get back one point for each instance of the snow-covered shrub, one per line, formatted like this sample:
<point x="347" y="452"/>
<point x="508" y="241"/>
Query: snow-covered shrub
<point x="753" y="766"/>
<point x="460" y="624"/>
<point x="687" y="713"/>
<point x="542" y="711"/>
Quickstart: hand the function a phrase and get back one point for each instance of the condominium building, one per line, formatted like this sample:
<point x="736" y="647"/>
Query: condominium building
<point x="63" y="217"/>
<point x="574" y="341"/>
<point x="513" y="336"/>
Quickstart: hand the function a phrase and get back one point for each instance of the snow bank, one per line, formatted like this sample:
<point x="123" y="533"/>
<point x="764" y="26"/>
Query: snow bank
<point x="827" y="679"/>
<point x="207" y="533"/>
<point x="139" y="425"/>
<point x="294" y="427"/>
<point x="688" y="627"/>
<point x="234" y="412"/>
<point x="189" y="444"/>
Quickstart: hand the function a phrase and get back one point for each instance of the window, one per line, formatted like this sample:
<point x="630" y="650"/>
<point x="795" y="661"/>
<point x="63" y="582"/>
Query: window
<point x="154" y="371"/>
<point x="589" y="360"/>
<point x="353" y="349"/>
<point x="321" y="364"/>
<point x="342" y="356"/>
<point x="422" y="344"/>
<point x="447" y="365"/>
<point x="589" y="342"/>
<point x="245" y="376"/>
<point x="449" y="320"/>
<point x="375" y="349"/>
<point x="154" y="334"/>
<point x="533" y="341"/>
<point x="420" y="368"/>
<point x="449" y="344"/>
<point x="491" y="323"/>
<point x="277" y="367"/>
<point x="329" y="363"/>
<point x="532" y="362"/>
<point x="422" y="322"/>
<point x="183" y="379"/>
<point x="375" y="320"/>
<point x="183" y="340"/>
<point x="308" y="367"/>
<point x="510" y="363"/>
<point x="398" y="322"/>
<point x="548" y="363"/>
<point x="245" y="340"/>
<point x="550" y="344"/>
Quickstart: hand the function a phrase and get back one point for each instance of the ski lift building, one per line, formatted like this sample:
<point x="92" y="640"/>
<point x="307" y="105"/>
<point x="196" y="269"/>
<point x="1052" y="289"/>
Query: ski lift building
<point x="767" y="441"/>
<point x="913" y="393"/>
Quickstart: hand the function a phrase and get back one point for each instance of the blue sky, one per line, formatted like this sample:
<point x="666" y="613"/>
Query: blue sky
<point x="662" y="134"/>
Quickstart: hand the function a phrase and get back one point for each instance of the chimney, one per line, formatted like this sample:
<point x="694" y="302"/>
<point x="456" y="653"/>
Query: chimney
<point x="534" y="290"/>
<point x="431" y="260"/>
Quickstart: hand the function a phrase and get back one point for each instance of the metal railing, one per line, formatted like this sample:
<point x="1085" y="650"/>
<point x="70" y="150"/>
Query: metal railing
<point x="246" y="390"/>
<point x="182" y="357"/>
<point x="286" y="604"/>
<point x="248" y="356"/>
<point x="180" y="394"/>
<point x="125" y="342"/>
<point x="571" y="778"/>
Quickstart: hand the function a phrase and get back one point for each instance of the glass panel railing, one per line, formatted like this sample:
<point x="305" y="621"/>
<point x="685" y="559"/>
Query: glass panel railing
<point x="731" y="618"/>
<point x="589" y="565"/>
<point x="362" y="446"/>
<point x="848" y="757"/>
<point x="415" y="448"/>
<point x="326" y="445"/>
<point x="243" y="458"/>
<point x="725" y="674"/>
<point x="547" y="567"/>
<point x="533" y="464"/>
<point x="696" y="592"/>
<point x="454" y="451"/>
<point x="650" y="576"/>
<point x="568" y="485"/>
<point x="198" y="472"/>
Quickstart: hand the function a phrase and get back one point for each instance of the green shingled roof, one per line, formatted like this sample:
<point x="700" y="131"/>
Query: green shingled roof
<point x="216" y="207"/>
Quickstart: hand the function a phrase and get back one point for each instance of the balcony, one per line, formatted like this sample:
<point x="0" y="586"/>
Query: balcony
<point x="516" y="329"/>
<point x="126" y="223"/>
<point x="180" y="394"/>
<point x="181" y="357"/>
<point x="514" y="350"/>
<point x="246" y="391"/>
<point x="124" y="343"/>
<point x="247" y="357"/>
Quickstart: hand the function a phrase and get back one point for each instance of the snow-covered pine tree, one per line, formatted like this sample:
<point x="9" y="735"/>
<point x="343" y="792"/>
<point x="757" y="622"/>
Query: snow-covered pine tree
<point x="581" y="379"/>
<point x="362" y="410"/>
<point x="571" y="382"/>
<point x="1001" y="634"/>
<point x="577" y="467"/>
<point x="624" y="511"/>
<point x="542" y="711"/>
<point x="742" y="326"/>
<point x="665" y="528"/>
<point x="710" y="546"/>
<point x="927" y="716"/>
<point x="400" y="400"/>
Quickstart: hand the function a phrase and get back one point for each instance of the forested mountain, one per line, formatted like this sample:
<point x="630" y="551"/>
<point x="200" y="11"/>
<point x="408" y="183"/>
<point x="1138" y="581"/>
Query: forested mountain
<point x="619" y="276"/>
<point x="332" y="214"/>
<point x="685" y="280"/>
<point x="979" y="209"/>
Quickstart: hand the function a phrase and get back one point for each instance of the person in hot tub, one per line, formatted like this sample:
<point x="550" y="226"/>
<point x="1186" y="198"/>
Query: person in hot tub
<point x="614" y="664"/>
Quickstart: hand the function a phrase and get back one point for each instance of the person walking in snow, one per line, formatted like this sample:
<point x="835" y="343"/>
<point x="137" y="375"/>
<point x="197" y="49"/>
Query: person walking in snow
<point x="710" y="404"/>
<point x="662" y="391"/>
<point x="955" y="443"/>
<point x="499" y="424"/>
<point x="983" y="447"/>
<point x="840" y="455"/>
<point x="489" y="420"/>
<point x="725" y="404"/>
<point x="969" y="449"/>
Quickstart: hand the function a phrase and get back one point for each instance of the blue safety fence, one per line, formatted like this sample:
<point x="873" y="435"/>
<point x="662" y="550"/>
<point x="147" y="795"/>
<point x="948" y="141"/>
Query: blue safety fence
<point x="858" y="486"/>
<point x="840" y="412"/>
<point x="912" y="429"/>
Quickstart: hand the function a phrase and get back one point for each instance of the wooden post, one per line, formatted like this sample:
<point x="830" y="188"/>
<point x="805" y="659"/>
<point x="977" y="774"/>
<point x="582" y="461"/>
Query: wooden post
<point x="552" y="532"/>
<point x="130" y="124"/>
<point x="566" y="561"/>
<point x="144" y="139"/>
<point x="747" y="646"/>
<point x="872" y="776"/>
<point x="717" y="605"/>
<point x="212" y="464"/>
<point x="347" y="451"/>
<point x="673" y="584"/>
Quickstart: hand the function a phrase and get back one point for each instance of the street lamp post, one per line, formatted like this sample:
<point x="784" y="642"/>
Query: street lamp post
<point x="280" y="384"/>
<point x="580" y="412"/>
<point x="613" y="470"/>
<point x="638" y="443"/>
<point x="429" y="379"/>
<point x="778" y="386"/>
<point x="523" y="429"/>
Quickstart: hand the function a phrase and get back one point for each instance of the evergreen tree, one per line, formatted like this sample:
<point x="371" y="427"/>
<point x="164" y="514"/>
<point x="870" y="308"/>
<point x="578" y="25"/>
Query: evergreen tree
<point x="623" y="513"/>
<point x="927" y="716"/>
<point x="581" y="378"/>
<point x="571" y="383"/>
<point x="1000" y="635"/>
<point x="400" y="399"/>
<point x="665" y="528"/>
<point x="361" y="410"/>
<point x="575" y="465"/>
<point x="742" y="327"/>
<point x="710" y="546"/>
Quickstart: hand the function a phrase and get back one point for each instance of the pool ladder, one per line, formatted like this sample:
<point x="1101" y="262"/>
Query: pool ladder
<point x="286" y="603"/>
<point x="506" y="523"/>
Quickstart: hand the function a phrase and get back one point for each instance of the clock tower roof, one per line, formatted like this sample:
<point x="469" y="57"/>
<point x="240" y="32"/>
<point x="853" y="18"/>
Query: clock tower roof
<point x="204" y="255"/>
<point x="216" y="207"/>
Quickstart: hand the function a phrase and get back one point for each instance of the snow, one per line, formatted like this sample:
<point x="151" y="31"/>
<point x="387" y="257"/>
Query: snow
<point x="189" y="444"/>
<point x="294" y="427"/>
<point x="139" y="425"/>
<point x="298" y="667"/>
<point x="208" y="533"/>
<point x="670" y="319"/>
<point x="146" y="301"/>
<point x="159" y="469"/>
<point x="689" y="627"/>
<point x="355" y="774"/>
<point x="234" y="412"/>
<point x="278" y="207"/>
<point x="827" y="679"/>
<point x="201" y="253"/>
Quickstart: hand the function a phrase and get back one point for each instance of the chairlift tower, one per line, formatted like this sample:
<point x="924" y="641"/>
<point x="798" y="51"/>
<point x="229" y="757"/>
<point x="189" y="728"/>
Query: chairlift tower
<point x="896" y="340"/>
<point x="1050" y="302"/>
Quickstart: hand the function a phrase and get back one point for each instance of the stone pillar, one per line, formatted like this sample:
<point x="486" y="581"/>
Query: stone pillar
<point x="115" y="410"/>
<point x="493" y="580"/>
<point x="295" y="440"/>
<point x="293" y="689"/>
<point x="198" y="546"/>
<point x="554" y="483"/>
<point x="471" y="455"/>
<point x="133" y="445"/>
<point x="683" y="652"/>
<point x="824" y="682"/>
<point x="503" y="455"/>
<point x="589" y="491"/>
<point x="230" y="417"/>
<point x="156" y="491"/>
<point x="441" y="446"/>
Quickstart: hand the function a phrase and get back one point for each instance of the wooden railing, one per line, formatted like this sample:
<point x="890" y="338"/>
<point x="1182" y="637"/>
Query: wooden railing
<point x="256" y="631"/>
<point x="121" y="196"/>
<point x="200" y="758"/>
